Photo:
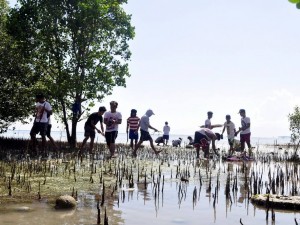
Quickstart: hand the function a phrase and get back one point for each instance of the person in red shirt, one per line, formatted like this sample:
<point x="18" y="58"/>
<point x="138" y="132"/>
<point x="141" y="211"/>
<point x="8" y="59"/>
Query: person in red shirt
<point x="132" y="128"/>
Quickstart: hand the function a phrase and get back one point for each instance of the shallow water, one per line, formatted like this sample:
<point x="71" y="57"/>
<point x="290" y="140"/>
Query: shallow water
<point x="170" y="202"/>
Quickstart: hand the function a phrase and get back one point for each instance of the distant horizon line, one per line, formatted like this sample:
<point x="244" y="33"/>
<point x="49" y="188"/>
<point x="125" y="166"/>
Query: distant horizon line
<point x="280" y="136"/>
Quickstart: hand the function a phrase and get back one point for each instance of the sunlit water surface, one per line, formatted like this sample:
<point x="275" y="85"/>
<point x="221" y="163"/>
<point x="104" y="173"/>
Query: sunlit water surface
<point x="173" y="202"/>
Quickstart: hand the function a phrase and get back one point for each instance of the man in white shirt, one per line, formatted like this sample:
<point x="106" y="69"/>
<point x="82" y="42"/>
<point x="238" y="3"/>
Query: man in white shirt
<point x="112" y="119"/>
<point x="230" y="128"/>
<point x="207" y="123"/>
<point x="245" y="132"/>
<point x="145" y="135"/>
<point x="40" y="124"/>
<point x="166" y="134"/>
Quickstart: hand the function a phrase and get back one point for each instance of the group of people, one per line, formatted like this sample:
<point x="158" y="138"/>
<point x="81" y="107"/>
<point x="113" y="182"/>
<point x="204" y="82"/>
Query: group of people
<point x="205" y="136"/>
<point x="164" y="139"/>
<point x="112" y="118"/>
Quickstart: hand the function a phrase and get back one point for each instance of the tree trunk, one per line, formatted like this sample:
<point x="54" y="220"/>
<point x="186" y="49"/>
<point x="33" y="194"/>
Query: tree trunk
<point x="73" y="139"/>
<point x="296" y="149"/>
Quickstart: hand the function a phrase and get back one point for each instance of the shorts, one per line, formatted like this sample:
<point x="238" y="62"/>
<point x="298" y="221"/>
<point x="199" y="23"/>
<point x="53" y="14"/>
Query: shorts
<point x="145" y="136"/>
<point x="39" y="127"/>
<point x="133" y="134"/>
<point x="200" y="139"/>
<point x="166" y="137"/>
<point x="48" y="133"/>
<point x="89" y="132"/>
<point x="245" y="138"/>
<point x="111" y="137"/>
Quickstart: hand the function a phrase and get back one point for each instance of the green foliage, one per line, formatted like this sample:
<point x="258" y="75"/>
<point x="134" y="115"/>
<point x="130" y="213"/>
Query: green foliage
<point x="297" y="2"/>
<point x="294" y="1"/>
<point x="78" y="49"/>
<point x="294" y="119"/>
<point x="15" y="80"/>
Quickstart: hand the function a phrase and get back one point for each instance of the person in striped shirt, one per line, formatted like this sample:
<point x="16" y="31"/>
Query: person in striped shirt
<point x="132" y="127"/>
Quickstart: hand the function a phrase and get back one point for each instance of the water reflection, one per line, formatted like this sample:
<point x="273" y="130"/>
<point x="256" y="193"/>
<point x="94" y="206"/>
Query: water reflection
<point x="170" y="190"/>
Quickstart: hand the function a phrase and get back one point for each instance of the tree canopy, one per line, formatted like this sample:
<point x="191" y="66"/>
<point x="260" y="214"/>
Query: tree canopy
<point x="297" y="2"/>
<point x="16" y="85"/>
<point x="294" y="119"/>
<point x="77" y="51"/>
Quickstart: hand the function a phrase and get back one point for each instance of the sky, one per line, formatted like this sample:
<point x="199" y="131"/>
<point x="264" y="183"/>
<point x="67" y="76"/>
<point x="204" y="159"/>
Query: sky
<point x="194" y="56"/>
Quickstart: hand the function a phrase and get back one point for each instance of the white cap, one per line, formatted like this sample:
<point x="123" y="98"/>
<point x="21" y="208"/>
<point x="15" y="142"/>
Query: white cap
<point x="149" y="112"/>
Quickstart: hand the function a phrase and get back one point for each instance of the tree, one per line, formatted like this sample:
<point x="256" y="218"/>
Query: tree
<point x="294" y="119"/>
<point x="78" y="49"/>
<point x="297" y="2"/>
<point x="15" y="103"/>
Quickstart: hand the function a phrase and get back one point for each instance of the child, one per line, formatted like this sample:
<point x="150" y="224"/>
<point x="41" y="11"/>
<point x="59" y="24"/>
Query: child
<point x="177" y="143"/>
<point x="133" y="126"/>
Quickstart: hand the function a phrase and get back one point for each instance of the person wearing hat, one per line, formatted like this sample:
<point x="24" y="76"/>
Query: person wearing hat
<point x="202" y="139"/>
<point x="132" y="127"/>
<point x="230" y="128"/>
<point x="112" y="119"/>
<point x="145" y="135"/>
<point x="166" y="135"/>
<point x="244" y="131"/>
<point x="90" y="127"/>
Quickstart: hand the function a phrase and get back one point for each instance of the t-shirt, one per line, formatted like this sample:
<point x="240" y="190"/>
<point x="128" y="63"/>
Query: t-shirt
<point x="176" y="143"/>
<point x="207" y="123"/>
<point x="159" y="140"/>
<point x="204" y="131"/>
<point x="133" y="122"/>
<point x="41" y="114"/>
<point x="144" y="123"/>
<point x="166" y="130"/>
<point x="93" y="118"/>
<point x="244" y="122"/>
<point x="230" y="127"/>
<point x="112" y="116"/>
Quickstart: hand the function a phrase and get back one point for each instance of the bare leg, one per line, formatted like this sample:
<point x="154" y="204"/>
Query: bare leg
<point x="91" y="145"/>
<point x="152" y="146"/>
<point x="206" y="152"/>
<point x="137" y="147"/>
<point x="112" y="148"/>
<point x="135" y="142"/>
<point x="131" y="143"/>
<point x="83" y="144"/>
<point x="33" y="142"/>
<point x="52" y="142"/>
<point x="43" y="145"/>
<point x="198" y="152"/>
<point x="242" y="146"/>
<point x="249" y="148"/>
